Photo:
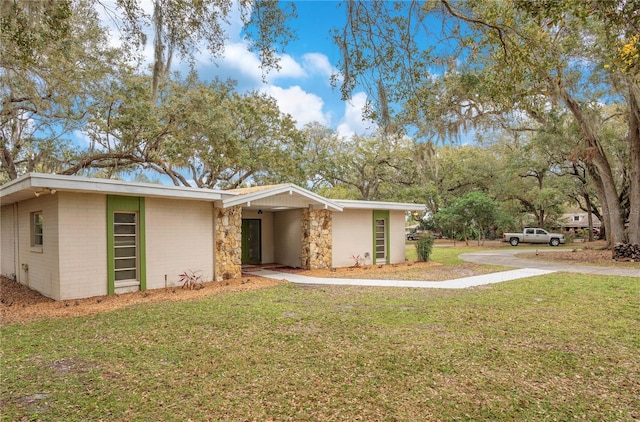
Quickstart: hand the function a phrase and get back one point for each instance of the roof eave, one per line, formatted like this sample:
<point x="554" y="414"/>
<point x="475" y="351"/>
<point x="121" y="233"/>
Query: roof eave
<point x="248" y="198"/>
<point x="379" y="205"/>
<point x="34" y="181"/>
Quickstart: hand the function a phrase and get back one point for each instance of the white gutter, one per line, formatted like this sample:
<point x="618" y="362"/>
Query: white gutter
<point x="38" y="182"/>
<point x="379" y="205"/>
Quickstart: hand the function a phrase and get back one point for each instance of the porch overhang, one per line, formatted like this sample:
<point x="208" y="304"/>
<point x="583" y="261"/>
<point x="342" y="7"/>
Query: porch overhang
<point x="279" y="197"/>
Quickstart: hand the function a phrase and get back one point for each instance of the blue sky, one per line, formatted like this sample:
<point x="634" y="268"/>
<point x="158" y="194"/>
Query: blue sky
<point x="302" y="85"/>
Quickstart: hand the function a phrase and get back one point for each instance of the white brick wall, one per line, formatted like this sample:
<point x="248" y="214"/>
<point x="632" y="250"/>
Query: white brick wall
<point x="396" y="237"/>
<point x="179" y="238"/>
<point x="83" y="245"/>
<point x="352" y="235"/>
<point x="38" y="266"/>
<point x="8" y="239"/>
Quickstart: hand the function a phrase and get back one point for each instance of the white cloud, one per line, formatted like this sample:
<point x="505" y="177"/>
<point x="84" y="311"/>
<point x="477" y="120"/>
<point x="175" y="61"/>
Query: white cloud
<point x="81" y="138"/>
<point x="318" y="64"/>
<point x="239" y="63"/>
<point x="289" y="68"/>
<point x="352" y="122"/>
<point x="303" y="106"/>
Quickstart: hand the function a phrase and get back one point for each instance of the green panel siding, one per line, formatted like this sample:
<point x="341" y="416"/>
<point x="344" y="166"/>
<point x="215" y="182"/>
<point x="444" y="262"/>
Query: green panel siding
<point x="131" y="204"/>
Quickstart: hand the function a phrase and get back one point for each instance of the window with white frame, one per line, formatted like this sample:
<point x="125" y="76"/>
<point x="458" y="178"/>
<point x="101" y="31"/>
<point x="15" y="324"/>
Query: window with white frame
<point x="37" y="238"/>
<point x="576" y="218"/>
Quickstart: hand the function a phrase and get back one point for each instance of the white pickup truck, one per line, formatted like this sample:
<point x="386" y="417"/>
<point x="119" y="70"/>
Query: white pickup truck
<point x="533" y="235"/>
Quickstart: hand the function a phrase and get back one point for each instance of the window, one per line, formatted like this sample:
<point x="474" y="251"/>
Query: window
<point x="576" y="218"/>
<point x="125" y="245"/>
<point x="381" y="241"/>
<point x="37" y="237"/>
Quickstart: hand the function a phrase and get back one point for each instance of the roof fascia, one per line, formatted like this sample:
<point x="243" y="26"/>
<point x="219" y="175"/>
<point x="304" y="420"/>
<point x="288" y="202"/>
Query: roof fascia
<point x="106" y="186"/>
<point x="290" y="187"/>
<point x="379" y="205"/>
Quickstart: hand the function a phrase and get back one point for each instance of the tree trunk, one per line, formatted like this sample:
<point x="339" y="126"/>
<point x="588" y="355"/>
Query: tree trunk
<point x="634" y="153"/>
<point x="6" y="159"/>
<point x="589" y="217"/>
<point x="605" y="230"/>
<point x="158" y="47"/>
<point x="599" y="159"/>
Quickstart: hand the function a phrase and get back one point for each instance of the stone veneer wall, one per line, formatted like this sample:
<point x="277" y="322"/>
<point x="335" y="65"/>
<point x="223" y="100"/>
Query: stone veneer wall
<point x="228" y="236"/>
<point x="316" y="239"/>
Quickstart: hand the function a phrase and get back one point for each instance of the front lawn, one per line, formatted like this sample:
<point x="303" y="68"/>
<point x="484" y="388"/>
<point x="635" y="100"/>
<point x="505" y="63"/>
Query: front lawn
<point x="555" y="347"/>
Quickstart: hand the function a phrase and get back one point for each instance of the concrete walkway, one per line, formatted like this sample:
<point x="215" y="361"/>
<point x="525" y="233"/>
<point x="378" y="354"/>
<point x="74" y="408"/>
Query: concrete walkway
<point x="458" y="283"/>
<point x="507" y="258"/>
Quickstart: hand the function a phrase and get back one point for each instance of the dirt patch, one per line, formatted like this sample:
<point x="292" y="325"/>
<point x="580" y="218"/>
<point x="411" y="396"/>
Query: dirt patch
<point x="18" y="303"/>
<point x="426" y="271"/>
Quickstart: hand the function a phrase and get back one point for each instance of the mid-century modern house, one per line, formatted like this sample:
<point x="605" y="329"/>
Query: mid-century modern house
<point x="72" y="237"/>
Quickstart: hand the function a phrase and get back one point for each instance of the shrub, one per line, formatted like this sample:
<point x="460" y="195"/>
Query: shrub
<point x="424" y="246"/>
<point x="190" y="279"/>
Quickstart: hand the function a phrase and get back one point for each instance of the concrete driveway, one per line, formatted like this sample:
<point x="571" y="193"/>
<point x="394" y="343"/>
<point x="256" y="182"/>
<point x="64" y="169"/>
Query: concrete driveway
<point x="507" y="258"/>
<point x="458" y="283"/>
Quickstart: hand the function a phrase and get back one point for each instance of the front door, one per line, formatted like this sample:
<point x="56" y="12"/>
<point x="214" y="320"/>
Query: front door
<point x="251" y="241"/>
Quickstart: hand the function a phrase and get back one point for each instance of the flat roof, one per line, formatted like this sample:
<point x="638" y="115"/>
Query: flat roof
<point x="34" y="184"/>
<point x="379" y="205"/>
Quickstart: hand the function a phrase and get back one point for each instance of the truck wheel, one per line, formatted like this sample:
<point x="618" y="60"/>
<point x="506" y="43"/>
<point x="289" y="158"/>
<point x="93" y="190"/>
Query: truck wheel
<point x="514" y="241"/>
<point x="554" y="242"/>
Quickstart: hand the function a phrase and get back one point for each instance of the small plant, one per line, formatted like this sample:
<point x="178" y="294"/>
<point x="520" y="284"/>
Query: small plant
<point x="424" y="245"/>
<point x="190" y="279"/>
<point x="358" y="261"/>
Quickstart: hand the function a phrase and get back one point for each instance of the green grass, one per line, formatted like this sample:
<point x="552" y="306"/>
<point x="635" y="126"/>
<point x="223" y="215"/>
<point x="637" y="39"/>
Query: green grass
<point x="555" y="347"/>
<point x="448" y="255"/>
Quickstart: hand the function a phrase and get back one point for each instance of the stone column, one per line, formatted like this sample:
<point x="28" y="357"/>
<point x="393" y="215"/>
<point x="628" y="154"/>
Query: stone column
<point x="317" y="237"/>
<point x="228" y="238"/>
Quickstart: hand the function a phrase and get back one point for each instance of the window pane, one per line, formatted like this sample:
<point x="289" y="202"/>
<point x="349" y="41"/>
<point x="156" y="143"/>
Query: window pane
<point x="127" y="251"/>
<point x="124" y="229"/>
<point x="121" y="217"/>
<point x="125" y="275"/>
<point x="122" y="263"/>
<point x="123" y="240"/>
<point x="36" y="229"/>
